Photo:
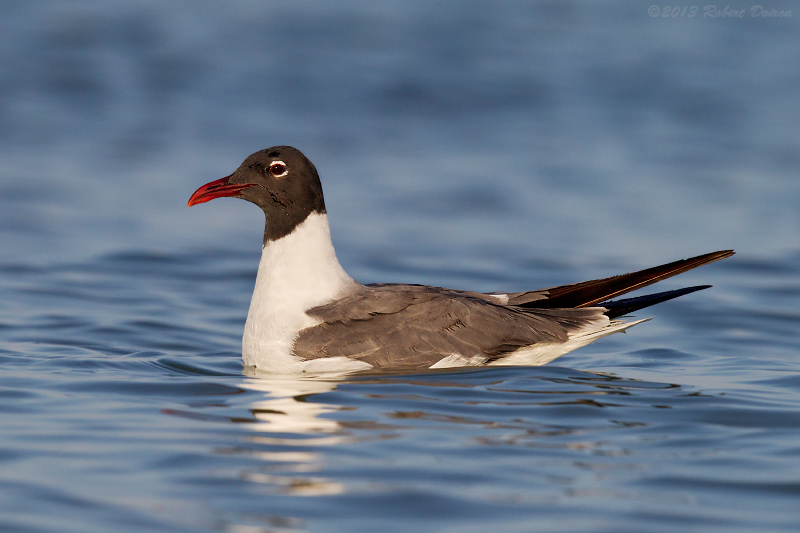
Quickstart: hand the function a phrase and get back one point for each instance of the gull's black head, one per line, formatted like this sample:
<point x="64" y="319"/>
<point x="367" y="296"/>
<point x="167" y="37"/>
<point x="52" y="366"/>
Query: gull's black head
<point x="280" y="180"/>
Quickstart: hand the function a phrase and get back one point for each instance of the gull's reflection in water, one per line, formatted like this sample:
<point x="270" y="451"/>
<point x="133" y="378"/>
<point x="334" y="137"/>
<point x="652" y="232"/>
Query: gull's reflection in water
<point x="295" y="431"/>
<point x="284" y="408"/>
<point x="289" y="431"/>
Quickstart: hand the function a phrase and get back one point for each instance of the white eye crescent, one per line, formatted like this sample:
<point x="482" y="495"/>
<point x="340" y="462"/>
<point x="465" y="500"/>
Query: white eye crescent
<point x="278" y="169"/>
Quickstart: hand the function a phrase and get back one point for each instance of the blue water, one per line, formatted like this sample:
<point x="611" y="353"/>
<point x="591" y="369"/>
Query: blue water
<point x="470" y="145"/>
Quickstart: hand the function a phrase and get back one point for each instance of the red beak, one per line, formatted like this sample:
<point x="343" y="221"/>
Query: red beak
<point x="217" y="189"/>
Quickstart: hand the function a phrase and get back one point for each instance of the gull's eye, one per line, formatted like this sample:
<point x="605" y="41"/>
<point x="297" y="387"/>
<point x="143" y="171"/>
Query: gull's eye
<point x="278" y="169"/>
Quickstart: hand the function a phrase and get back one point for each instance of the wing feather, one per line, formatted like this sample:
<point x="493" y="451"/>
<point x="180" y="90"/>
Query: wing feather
<point x="412" y="326"/>
<point x="589" y="293"/>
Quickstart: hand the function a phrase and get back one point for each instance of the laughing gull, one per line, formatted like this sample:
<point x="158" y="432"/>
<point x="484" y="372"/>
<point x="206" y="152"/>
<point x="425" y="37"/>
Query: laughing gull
<point x="308" y="315"/>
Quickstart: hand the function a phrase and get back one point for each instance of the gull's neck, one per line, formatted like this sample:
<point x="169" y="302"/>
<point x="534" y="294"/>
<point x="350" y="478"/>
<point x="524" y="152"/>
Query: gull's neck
<point x="297" y="272"/>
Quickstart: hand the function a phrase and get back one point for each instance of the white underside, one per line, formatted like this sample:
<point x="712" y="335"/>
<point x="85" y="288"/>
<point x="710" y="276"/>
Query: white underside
<point x="540" y="354"/>
<point x="455" y="360"/>
<point x="296" y="273"/>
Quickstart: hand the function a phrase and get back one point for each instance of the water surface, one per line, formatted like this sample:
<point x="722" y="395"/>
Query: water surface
<point x="472" y="146"/>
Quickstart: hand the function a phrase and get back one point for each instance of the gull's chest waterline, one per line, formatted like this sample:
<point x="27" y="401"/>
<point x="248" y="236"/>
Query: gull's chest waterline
<point x="296" y="273"/>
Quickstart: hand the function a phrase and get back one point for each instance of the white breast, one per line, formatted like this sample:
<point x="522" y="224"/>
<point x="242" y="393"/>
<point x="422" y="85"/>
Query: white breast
<point x="296" y="273"/>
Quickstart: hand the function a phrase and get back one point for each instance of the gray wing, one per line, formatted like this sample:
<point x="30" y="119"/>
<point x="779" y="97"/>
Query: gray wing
<point x="408" y="326"/>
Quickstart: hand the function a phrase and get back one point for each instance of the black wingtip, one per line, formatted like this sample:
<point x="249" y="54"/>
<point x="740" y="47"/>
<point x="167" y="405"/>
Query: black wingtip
<point x="618" y="308"/>
<point x="592" y="293"/>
